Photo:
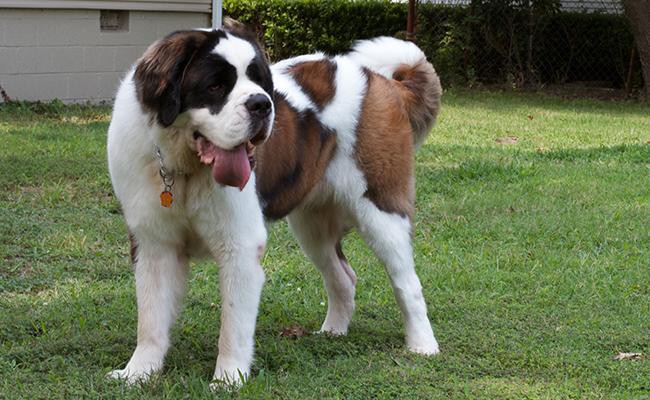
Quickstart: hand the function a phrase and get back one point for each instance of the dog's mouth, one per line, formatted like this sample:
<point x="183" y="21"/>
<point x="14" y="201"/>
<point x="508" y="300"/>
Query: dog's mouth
<point x="229" y="167"/>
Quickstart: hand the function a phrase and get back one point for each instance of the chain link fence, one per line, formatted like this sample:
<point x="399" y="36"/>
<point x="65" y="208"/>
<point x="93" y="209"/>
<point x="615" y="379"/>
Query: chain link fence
<point x="602" y="6"/>
<point x="530" y="42"/>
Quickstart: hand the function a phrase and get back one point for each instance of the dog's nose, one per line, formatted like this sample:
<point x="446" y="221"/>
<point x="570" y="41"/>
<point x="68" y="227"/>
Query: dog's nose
<point x="258" y="105"/>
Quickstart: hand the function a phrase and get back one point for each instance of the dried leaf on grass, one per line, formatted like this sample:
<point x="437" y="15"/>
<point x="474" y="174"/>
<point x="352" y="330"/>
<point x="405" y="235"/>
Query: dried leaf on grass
<point x="628" y="356"/>
<point x="294" y="331"/>
<point x="507" y="140"/>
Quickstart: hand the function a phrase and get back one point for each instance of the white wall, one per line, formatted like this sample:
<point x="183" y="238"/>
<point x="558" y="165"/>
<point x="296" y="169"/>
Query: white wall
<point x="47" y="54"/>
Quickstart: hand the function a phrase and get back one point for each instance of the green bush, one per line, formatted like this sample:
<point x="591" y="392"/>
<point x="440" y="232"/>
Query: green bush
<point x="289" y="28"/>
<point x="491" y="41"/>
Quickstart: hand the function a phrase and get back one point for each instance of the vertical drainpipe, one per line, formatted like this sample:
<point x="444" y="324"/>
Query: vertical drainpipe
<point x="217" y="16"/>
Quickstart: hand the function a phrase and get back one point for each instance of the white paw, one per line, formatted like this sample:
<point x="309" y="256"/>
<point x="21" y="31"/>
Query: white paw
<point x="428" y="347"/>
<point x="131" y="376"/>
<point x="336" y="322"/>
<point x="145" y="361"/>
<point x="227" y="380"/>
<point x="332" y="331"/>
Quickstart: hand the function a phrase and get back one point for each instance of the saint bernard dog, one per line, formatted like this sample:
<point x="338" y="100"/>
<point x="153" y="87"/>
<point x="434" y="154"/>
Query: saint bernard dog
<point x="207" y="141"/>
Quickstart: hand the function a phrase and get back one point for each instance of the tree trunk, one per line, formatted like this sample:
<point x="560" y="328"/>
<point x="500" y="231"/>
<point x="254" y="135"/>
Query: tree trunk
<point x="638" y="12"/>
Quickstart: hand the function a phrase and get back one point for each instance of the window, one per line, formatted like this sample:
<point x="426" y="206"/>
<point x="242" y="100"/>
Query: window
<point x="113" y="21"/>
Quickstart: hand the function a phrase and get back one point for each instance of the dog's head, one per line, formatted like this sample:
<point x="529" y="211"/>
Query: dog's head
<point x="218" y="84"/>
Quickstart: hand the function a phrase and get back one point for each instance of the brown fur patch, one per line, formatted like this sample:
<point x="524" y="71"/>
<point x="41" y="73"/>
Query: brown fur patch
<point x="384" y="148"/>
<point x="420" y="88"/>
<point x="317" y="79"/>
<point x="134" y="248"/>
<point x="293" y="160"/>
<point x="160" y="70"/>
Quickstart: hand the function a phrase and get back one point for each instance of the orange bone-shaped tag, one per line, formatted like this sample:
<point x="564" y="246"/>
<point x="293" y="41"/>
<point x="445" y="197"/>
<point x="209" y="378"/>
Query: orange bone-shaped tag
<point x="166" y="199"/>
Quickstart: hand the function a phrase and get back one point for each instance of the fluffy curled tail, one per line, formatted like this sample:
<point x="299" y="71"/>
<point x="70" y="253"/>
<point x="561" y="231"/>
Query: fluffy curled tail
<point x="413" y="75"/>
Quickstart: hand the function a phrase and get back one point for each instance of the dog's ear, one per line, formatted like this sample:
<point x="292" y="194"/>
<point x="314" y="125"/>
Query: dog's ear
<point x="159" y="73"/>
<point x="243" y="31"/>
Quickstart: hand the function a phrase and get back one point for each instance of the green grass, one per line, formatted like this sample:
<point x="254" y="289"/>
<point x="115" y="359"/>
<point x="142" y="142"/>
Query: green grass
<point x="534" y="257"/>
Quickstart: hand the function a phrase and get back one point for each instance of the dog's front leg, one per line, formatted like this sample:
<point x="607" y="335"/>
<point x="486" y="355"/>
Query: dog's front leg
<point x="240" y="282"/>
<point x="160" y="277"/>
<point x="237" y="248"/>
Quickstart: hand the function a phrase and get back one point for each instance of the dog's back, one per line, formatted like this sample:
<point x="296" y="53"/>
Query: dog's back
<point x="350" y="123"/>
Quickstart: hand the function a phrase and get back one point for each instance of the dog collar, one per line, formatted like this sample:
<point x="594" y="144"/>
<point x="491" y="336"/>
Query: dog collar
<point x="166" y="196"/>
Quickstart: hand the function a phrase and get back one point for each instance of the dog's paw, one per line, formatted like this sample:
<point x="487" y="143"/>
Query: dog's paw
<point x="229" y="374"/>
<point x="228" y="386"/>
<point x="427" y="347"/>
<point x="332" y="331"/>
<point x="130" y="376"/>
<point x="229" y="381"/>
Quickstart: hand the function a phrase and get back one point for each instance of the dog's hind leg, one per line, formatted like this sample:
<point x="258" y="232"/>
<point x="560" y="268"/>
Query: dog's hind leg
<point x="160" y="277"/>
<point x="389" y="236"/>
<point x="319" y="233"/>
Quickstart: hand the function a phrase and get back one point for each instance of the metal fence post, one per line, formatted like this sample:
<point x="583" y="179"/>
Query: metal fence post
<point x="410" y="22"/>
<point x="217" y="13"/>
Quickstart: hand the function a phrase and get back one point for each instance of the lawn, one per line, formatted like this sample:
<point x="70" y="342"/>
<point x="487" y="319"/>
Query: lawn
<point x="532" y="242"/>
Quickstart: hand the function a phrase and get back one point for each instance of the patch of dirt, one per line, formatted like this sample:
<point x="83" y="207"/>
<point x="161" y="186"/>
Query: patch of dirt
<point x="576" y="90"/>
<point x="581" y="90"/>
<point x="507" y="140"/>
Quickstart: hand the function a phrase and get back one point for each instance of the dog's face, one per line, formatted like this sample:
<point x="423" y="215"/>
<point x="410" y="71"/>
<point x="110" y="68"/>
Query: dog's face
<point x="218" y="84"/>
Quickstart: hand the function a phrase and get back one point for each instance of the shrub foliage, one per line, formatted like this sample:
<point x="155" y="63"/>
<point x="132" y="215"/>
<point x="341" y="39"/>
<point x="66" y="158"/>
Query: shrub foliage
<point x="489" y="41"/>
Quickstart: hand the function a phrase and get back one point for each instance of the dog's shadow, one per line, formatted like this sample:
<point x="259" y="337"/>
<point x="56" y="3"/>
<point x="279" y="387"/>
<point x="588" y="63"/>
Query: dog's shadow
<point x="275" y="352"/>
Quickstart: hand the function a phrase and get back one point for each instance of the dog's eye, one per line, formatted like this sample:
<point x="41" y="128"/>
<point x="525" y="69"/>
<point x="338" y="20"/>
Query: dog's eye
<point x="253" y="72"/>
<point x="215" y="88"/>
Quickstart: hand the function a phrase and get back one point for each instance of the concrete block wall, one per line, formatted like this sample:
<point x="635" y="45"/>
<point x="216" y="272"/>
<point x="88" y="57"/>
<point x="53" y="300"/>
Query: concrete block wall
<point x="50" y="54"/>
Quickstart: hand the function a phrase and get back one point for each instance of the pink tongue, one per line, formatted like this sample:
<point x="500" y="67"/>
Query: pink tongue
<point x="229" y="167"/>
